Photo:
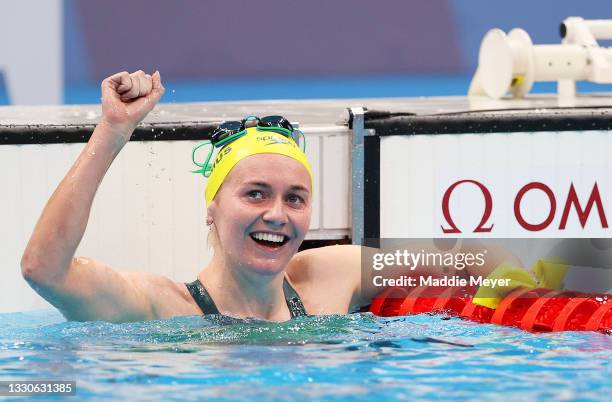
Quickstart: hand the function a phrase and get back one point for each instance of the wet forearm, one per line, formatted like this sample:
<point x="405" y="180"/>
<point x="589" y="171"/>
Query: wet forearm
<point x="64" y="219"/>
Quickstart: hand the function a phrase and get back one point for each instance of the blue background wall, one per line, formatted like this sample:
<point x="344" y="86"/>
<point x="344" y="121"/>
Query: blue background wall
<point x="238" y="49"/>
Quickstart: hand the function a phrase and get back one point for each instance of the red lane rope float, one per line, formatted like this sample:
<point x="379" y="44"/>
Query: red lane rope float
<point x="513" y="307"/>
<point x="533" y="320"/>
<point x="576" y="313"/>
<point x="476" y="312"/>
<point x="387" y="303"/>
<point x="540" y="310"/>
<point x="601" y="319"/>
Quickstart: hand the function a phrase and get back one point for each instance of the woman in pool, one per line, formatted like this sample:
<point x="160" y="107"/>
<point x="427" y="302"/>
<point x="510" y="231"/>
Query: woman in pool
<point x="258" y="208"/>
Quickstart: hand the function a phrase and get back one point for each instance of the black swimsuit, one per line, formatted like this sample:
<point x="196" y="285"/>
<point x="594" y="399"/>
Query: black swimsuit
<point x="207" y="305"/>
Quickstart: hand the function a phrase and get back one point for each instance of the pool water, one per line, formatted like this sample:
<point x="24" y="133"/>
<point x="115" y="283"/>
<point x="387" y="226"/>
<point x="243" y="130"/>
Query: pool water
<point x="348" y="357"/>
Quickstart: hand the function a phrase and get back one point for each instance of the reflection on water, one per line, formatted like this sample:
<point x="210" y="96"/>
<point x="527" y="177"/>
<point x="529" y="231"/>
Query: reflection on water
<point x="337" y="357"/>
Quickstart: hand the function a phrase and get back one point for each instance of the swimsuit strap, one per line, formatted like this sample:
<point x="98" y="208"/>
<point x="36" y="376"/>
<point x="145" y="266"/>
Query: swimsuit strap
<point x="296" y="307"/>
<point x="202" y="297"/>
<point x="207" y="305"/>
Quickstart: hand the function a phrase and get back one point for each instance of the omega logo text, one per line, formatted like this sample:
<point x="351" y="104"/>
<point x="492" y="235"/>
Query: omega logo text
<point x="571" y="202"/>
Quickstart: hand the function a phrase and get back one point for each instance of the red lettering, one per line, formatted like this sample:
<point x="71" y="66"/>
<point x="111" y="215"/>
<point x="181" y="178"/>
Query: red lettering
<point x="517" y="206"/>
<point x="583" y="215"/>
<point x="485" y="216"/>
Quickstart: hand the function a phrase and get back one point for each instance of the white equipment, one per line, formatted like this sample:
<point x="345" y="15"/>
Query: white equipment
<point x="513" y="63"/>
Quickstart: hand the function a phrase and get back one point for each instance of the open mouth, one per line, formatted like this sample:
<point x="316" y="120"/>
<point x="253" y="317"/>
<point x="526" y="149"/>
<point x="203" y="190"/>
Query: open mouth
<point x="269" y="240"/>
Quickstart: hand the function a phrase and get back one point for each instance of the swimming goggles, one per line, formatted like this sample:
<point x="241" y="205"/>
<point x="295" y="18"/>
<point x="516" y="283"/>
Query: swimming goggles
<point x="229" y="131"/>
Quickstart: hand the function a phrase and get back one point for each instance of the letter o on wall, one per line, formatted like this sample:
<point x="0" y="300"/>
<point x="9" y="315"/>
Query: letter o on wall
<point x="517" y="206"/>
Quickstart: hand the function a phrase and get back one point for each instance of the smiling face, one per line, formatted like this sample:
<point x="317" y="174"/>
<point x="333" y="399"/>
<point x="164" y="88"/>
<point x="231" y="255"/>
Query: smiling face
<point x="262" y="212"/>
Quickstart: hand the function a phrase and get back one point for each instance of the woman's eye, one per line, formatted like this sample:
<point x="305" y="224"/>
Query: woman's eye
<point x="295" y="199"/>
<point x="255" y="194"/>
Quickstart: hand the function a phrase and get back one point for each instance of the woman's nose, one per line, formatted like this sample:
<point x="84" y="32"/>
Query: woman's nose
<point x="275" y="214"/>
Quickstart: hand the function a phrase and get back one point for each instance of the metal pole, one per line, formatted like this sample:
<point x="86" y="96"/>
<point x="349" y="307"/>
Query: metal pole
<point x="357" y="123"/>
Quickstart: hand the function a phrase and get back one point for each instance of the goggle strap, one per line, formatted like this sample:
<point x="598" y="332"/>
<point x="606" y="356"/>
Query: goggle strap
<point x="303" y="142"/>
<point x="278" y="130"/>
<point x="205" y="168"/>
<point x="231" y="138"/>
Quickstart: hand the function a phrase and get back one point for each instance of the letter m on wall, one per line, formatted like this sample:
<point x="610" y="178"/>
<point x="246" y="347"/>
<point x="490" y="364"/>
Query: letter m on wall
<point x="583" y="214"/>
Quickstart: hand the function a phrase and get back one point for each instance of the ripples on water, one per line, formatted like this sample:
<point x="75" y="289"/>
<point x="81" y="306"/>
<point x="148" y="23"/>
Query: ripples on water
<point x="332" y="357"/>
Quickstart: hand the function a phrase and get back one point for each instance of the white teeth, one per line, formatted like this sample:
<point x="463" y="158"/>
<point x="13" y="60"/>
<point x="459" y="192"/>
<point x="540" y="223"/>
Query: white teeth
<point x="269" y="237"/>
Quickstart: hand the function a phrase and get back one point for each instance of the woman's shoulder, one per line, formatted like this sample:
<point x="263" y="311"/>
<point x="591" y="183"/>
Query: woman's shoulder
<point x="168" y="298"/>
<point x="326" y="278"/>
<point x="325" y="263"/>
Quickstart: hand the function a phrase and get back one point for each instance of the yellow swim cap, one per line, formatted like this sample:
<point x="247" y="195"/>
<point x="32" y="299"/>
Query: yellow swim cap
<point x="255" y="141"/>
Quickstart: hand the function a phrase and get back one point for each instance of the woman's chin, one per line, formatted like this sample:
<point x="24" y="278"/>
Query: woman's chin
<point x="266" y="266"/>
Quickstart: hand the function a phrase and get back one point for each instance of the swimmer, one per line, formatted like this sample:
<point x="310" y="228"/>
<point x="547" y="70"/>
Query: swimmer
<point x="259" y="201"/>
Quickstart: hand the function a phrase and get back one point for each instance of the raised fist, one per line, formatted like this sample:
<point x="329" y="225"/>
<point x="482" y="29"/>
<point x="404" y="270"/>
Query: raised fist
<point x="128" y="98"/>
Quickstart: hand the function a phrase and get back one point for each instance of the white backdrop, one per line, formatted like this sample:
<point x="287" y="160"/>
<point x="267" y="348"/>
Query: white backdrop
<point x="417" y="170"/>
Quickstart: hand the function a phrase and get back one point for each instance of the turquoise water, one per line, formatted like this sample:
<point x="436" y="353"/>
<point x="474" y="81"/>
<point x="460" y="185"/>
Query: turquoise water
<point x="350" y="357"/>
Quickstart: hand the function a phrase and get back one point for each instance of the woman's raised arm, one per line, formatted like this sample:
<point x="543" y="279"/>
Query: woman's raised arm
<point x="79" y="290"/>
